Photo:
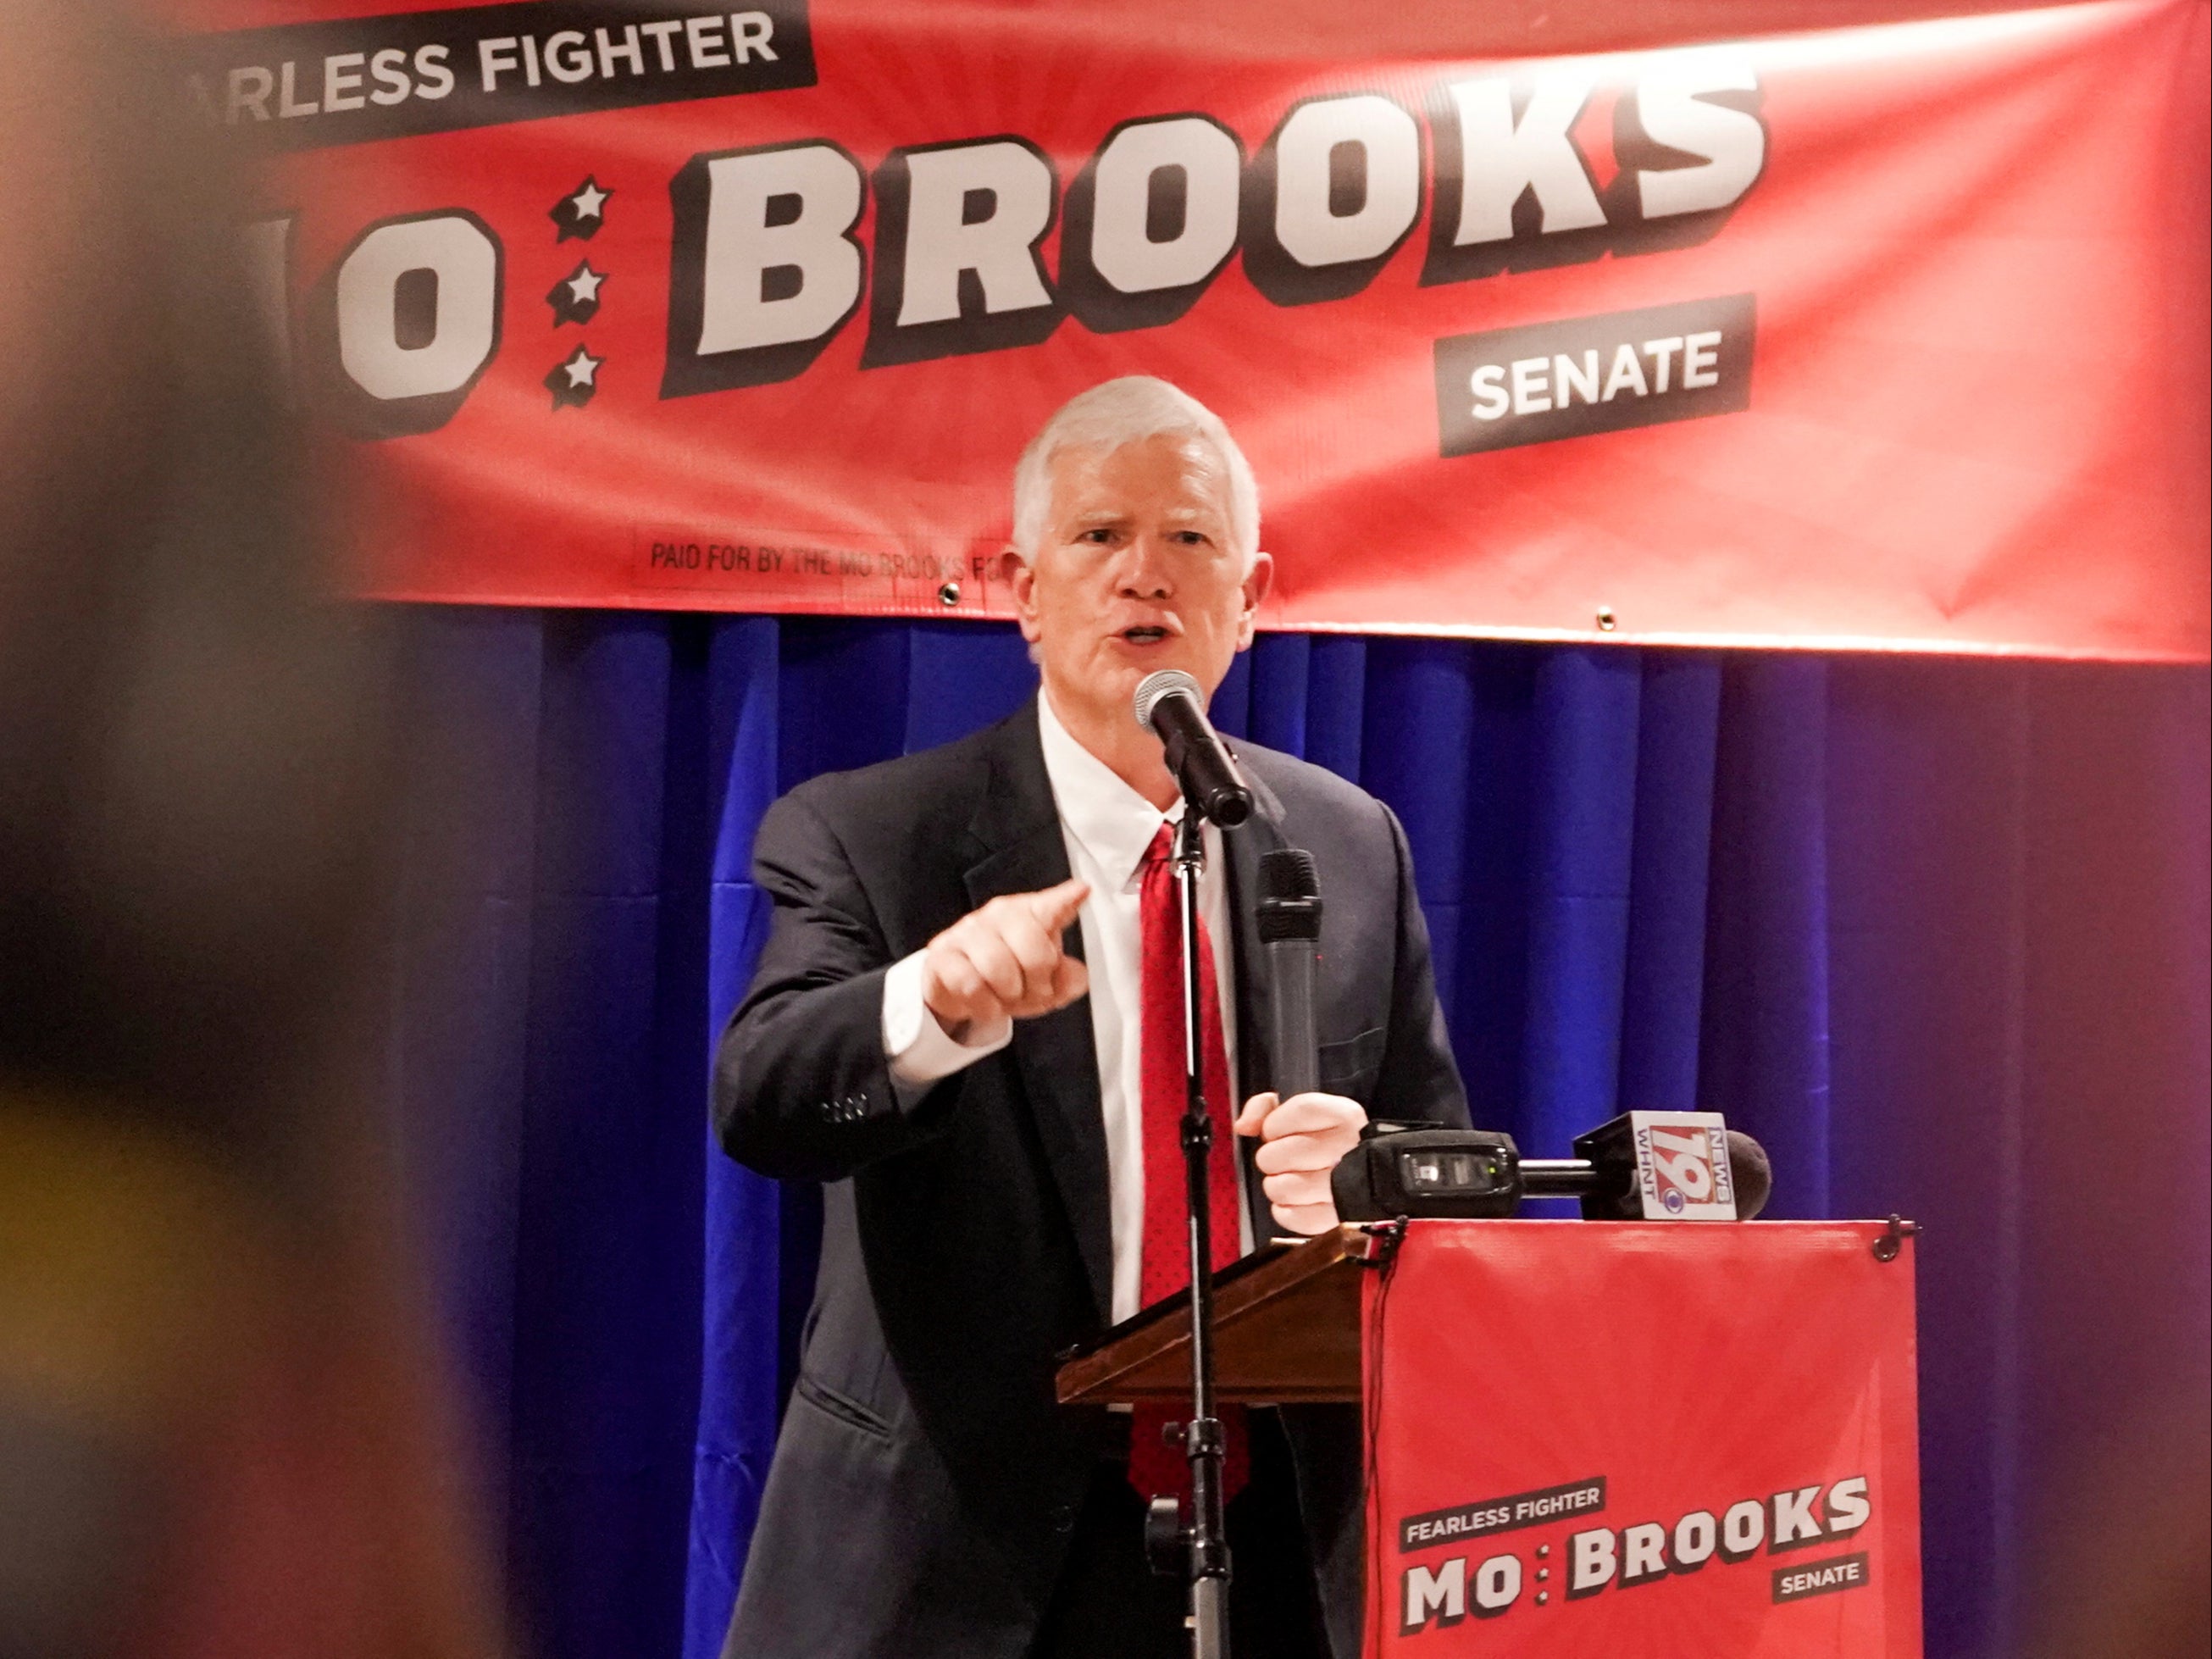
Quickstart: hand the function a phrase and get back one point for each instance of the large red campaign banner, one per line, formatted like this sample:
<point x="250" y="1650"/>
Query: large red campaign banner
<point x="1646" y="1440"/>
<point x="1892" y="336"/>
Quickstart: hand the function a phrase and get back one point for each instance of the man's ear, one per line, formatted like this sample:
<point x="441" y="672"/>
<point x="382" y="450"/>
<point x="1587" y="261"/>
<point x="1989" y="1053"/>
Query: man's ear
<point x="1014" y="571"/>
<point x="1258" y="581"/>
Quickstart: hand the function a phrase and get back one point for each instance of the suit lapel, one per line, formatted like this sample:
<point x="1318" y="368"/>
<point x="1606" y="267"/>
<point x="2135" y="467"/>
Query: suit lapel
<point x="1020" y="849"/>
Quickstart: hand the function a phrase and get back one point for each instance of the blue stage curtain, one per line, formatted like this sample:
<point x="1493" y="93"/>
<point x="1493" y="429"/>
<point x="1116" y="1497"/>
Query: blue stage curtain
<point x="1934" y="931"/>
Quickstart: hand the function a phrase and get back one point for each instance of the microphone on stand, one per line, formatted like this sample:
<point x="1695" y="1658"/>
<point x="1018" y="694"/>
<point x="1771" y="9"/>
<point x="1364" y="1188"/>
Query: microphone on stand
<point x="1289" y="934"/>
<point x="1170" y="704"/>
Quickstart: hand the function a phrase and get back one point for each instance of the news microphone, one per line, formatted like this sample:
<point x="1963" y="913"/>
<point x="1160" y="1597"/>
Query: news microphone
<point x="1170" y="705"/>
<point x="1289" y="933"/>
<point x="1656" y="1166"/>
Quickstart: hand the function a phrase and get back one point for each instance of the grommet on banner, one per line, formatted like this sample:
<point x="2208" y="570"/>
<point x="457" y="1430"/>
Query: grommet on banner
<point x="1885" y="1248"/>
<point x="1607" y="620"/>
<point x="1383" y="1238"/>
<point x="949" y="594"/>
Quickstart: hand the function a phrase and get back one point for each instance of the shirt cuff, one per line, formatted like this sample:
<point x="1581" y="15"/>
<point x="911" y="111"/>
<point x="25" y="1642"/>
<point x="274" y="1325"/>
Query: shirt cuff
<point x="921" y="1051"/>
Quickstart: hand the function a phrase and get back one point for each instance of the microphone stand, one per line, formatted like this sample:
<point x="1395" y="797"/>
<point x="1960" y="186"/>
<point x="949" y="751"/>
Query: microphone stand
<point x="1207" y="1543"/>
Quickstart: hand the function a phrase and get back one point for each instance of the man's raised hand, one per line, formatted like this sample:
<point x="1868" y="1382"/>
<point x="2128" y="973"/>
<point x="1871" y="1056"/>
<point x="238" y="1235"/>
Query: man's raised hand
<point x="1004" y="961"/>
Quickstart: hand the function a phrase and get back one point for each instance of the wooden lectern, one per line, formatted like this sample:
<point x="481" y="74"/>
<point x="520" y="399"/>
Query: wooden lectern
<point x="1286" y="1330"/>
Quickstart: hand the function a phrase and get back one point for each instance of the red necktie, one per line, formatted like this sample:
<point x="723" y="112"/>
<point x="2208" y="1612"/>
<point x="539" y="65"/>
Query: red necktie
<point x="1156" y="1467"/>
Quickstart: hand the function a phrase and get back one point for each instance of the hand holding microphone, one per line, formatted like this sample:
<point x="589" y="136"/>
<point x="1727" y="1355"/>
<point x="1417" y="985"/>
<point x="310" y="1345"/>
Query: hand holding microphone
<point x="1304" y="1132"/>
<point x="1301" y="1141"/>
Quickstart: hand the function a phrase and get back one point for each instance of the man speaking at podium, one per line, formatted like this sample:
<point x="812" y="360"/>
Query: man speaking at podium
<point x="967" y="1018"/>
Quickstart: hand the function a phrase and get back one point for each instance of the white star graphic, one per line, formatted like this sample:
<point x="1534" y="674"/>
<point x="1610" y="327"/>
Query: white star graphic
<point x="589" y="200"/>
<point x="585" y="285"/>
<point x="583" y="368"/>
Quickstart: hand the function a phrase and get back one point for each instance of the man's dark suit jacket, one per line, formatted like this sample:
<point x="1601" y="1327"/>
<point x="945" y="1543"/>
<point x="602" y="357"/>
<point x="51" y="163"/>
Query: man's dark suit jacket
<point x="925" y="1481"/>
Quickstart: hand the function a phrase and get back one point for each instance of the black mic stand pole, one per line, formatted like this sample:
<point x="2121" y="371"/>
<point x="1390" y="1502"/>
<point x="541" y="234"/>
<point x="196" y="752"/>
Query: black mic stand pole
<point x="1203" y="1439"/>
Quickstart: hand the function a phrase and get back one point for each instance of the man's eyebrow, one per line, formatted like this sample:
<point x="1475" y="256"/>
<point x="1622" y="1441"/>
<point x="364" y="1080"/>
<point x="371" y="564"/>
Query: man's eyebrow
<point x="1085" y="516"/>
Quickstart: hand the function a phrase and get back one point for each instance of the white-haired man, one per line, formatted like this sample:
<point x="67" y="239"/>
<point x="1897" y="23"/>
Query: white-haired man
<point x="967" y="1019"/>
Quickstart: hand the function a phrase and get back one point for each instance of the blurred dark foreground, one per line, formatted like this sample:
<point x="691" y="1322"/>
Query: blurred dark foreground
<point x="222" y="1430"/>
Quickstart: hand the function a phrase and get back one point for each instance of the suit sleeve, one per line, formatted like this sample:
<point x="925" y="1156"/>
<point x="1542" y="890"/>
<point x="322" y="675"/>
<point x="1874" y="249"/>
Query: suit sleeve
<point x="1418" y="1077"/>
<point x="802" y="1086"/>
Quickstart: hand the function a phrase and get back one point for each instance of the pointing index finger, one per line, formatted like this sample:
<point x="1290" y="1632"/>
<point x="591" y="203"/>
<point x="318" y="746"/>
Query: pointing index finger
<point x="1056" y="907"/>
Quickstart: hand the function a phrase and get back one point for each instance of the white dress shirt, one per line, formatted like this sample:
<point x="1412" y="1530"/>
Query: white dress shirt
<point x="1108" y="827"/>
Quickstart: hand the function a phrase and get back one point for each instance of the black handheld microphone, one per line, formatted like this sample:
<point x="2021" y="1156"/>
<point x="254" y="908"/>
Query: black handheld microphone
<point x="1289" y="933"/>
<point x="1170" y="704"/>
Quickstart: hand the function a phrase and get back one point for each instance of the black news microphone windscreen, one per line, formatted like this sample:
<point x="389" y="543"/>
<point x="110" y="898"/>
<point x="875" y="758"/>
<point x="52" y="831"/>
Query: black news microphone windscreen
<point x="1753" y="1173"/>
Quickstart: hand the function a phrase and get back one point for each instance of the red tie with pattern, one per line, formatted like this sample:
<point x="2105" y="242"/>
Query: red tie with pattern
<point x="1156" y="1467"/>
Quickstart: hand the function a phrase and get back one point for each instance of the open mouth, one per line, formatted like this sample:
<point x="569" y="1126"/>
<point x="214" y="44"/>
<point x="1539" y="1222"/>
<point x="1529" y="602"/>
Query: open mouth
<point x="1144" y="636"/>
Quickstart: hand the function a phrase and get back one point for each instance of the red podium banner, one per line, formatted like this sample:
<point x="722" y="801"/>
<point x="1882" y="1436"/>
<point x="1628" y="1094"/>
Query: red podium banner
<point x="1653" y="1441"/>
<point x="1890" y="337"/>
